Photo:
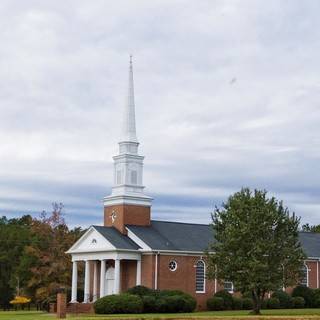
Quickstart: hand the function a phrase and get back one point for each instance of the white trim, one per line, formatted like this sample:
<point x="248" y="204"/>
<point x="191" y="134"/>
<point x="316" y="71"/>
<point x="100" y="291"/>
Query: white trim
<point x="106" y="256"/>
<point x="141" y="200"/>
<point x="204" y="275"/>
<point x="176" y="252"/>
<point x="137" y="240"/>
<point x="232" y="287"/>
<point x="106" y="243"/>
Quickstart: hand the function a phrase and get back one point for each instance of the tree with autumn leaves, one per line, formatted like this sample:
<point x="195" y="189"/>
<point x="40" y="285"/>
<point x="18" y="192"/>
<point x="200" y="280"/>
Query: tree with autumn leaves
<point x="32" y="255"/>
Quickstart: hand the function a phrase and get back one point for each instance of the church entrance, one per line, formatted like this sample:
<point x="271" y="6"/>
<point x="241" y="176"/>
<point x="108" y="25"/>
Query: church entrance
<point x="109" y="281"/>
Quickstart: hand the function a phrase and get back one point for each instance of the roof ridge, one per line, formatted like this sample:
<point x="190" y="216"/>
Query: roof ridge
<point x="179" y="222"/>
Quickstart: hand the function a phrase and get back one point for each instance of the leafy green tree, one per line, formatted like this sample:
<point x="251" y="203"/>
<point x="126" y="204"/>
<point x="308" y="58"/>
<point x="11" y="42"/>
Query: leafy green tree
<point x="255" y="245"/>
<point x="311" y="228"/>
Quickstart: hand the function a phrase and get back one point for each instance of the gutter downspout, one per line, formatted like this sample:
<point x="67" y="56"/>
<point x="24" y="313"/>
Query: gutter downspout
<point x="156" y="272"/>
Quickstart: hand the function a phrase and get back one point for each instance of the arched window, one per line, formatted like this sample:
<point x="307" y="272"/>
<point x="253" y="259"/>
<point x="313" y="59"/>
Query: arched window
<point x="200" y="277"/>
<point x="305" y="278"/>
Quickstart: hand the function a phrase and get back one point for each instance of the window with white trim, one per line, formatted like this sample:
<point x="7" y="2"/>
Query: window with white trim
<point x="173" y="265"/>
<point x="228" y="286"/>
<point x="305" y="278"/>
<point x="200" y="276"/>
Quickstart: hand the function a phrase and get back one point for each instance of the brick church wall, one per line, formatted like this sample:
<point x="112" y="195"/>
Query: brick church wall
<point x="126" y="215"/>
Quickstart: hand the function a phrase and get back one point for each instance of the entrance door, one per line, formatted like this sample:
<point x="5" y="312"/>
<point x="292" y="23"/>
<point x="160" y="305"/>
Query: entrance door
<point x="109" y="281"/>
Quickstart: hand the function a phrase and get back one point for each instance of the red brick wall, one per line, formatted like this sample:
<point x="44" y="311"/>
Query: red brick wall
<point x="184" y="278"/>
<point x="147" y="270"/>
<point x="312" y="266"/>
<point x="128" y="274"/>
<point x="127" y="214"/>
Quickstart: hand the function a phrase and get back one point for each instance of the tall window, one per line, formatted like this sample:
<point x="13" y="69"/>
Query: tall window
<point x="228" y="286"/>
<point x="305" y="279"/>
<point x="200" y="277"/>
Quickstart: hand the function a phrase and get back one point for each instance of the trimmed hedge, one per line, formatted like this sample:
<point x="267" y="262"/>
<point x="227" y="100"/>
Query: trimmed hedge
<point x="141" y="291"/>
<point x="284" y="299"/>
<point x="164" y="301"/>
<point x="247" y="304"/>
<point x="298" y="302"/>
<point x="227" y="298"/>
<point x="273" y="303"/>
<point x="119" y="303"/>
<point x="236" y="303"/>
<point x="306" y="293"/>
<point x="215" y="304"/>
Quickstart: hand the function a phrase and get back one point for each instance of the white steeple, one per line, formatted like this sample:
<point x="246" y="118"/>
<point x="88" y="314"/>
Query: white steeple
<point x="129" y="119"/>
<point x="128" y="165"/>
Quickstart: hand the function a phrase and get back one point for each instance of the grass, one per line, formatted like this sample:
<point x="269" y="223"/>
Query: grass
<point x="243" y="314"/>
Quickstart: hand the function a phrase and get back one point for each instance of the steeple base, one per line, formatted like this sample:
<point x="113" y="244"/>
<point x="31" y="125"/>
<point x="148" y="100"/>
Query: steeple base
<point x="120" y="211"/>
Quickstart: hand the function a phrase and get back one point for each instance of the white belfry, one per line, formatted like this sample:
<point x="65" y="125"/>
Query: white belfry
<point x="128" y="164"/>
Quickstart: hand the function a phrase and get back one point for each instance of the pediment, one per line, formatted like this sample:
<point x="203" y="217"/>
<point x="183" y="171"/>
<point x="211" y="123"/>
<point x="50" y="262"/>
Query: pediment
<point x="91" y="241"/>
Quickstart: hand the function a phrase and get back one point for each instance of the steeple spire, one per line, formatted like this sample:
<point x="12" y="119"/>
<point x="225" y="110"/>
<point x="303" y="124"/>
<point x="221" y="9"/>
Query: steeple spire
<point x="129" y="119"/>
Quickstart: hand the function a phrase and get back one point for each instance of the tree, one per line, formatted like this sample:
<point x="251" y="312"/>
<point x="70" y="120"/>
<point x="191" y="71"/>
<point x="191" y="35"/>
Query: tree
<point x="255" y="245"/>
<point x="307" y="228"/>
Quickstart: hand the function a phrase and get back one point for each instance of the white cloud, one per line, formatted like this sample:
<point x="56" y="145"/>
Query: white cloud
<point x="227" y="95"/>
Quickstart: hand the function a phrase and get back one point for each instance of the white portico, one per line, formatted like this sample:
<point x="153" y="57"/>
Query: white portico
<point x="103" y="251"/>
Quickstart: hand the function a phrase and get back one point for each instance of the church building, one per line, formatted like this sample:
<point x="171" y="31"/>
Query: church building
<point x="132" y="249"/>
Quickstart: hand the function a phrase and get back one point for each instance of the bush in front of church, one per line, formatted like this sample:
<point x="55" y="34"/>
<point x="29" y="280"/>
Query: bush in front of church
<point x="141" y="291"/>
<point x="227" y="298"/>
<point x="119" y="303"/>
<point x="215" y="304"/>
<point x="164" y="301"/>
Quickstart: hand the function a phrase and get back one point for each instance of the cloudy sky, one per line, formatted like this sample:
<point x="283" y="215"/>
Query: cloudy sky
<point x="227" y="95"/>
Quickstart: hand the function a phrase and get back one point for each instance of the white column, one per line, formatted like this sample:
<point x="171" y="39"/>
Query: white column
<point x="116" y="289"/>
<point x="95" y="281"/>
<point x="102" y="277"/>
<point x="138" y="279"/>
<point x="74" y="282"/>
<point x="87" y="282"/>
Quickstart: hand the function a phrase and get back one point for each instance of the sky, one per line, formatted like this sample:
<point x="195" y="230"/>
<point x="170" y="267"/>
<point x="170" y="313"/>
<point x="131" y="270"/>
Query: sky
<point x="227" y="96"/>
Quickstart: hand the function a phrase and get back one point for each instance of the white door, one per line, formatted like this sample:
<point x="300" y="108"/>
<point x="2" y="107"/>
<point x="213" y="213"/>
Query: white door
<point x="109" y="281"/>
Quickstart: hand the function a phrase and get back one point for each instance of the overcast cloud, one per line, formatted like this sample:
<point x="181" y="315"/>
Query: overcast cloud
<point x="227" y="95"/>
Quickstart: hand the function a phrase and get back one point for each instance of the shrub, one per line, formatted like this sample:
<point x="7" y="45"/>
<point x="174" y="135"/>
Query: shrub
<point x="284" y="298"/>
<point x="316" y="298"/>
<point x="168" y="301"/>
<point x="306" y="293"/>
<point x="247" y="304"/>
<point x="298" y="302"/>
<point x="273" y="303"/>
<point x="227" y="298"/>
<point x="215" y="304"/>
<point x="119" y="303"/>
<point x="236" y="303"/>
<point x="149" y="304"/>
<point x="141" y="291"/>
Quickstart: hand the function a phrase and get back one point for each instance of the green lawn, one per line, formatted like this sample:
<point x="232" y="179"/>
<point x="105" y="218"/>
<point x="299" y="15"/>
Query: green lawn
<point x="274" y="314"/>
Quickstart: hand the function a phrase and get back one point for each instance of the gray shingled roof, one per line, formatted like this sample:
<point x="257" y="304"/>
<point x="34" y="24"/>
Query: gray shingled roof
<point x="310" y="242"/>
<point x="165" y="235"/>
<point x="178" y="236"/>
<point x="116" y="238"/>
